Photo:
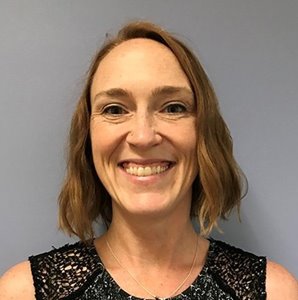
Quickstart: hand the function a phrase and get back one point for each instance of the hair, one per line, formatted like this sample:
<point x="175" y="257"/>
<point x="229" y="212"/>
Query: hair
<point x="216" y="190"/>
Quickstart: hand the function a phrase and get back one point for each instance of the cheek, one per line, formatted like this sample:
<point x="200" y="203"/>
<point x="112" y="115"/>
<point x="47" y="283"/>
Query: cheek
<point x="185" y="136"/>
<point x="101" y="142"/>
<point x="189" y="149"/>
<point x="105" y="141"/>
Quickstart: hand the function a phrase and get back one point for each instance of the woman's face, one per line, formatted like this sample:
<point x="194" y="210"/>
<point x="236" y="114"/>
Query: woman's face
<point x="143" y="130"/>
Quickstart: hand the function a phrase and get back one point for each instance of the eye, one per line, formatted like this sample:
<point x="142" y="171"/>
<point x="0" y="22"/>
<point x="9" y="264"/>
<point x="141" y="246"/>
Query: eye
<point x="114" y="110"/>
<point x="175" y="108"/>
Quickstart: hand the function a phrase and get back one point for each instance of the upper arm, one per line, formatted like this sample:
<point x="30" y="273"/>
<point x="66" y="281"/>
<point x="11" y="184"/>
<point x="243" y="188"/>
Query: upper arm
<point x="280" y="284"/>
<point x="17" y="283"/>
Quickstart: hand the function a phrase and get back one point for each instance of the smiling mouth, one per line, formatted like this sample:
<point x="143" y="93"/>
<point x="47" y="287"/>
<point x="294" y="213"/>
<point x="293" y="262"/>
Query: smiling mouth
<point x="146" y="169"/>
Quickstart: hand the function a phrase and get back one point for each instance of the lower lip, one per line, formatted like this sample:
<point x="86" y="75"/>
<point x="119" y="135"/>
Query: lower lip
<point x="146" y="179"/>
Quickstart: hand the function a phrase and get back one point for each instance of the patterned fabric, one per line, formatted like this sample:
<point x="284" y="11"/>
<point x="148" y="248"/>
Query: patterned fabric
<point x="76" y="272"/>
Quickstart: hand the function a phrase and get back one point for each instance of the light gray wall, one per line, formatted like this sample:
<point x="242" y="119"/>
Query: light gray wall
<point x="250" y="51"/>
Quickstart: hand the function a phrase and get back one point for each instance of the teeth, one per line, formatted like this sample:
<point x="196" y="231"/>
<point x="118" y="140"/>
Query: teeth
<point x="140" y="171"/>
<point x="146" y="171"/>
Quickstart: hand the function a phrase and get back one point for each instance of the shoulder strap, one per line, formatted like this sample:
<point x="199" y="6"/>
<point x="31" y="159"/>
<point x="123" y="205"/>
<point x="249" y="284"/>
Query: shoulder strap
<point x="240" y="273"/>
<point x="61" y="272"/>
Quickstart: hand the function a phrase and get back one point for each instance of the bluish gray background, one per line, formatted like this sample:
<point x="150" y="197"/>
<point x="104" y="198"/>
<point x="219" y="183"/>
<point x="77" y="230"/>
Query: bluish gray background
<point x="250" y="51"/>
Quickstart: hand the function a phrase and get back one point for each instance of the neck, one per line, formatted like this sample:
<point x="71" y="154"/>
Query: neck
<point x="165" y="248"/>
<point x="154" y="242"/>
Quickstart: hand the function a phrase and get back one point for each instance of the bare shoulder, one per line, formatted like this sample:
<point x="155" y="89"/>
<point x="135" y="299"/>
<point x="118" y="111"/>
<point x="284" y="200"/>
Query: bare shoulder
<point x="280" y="283"/>
<point x="17" y="283"/>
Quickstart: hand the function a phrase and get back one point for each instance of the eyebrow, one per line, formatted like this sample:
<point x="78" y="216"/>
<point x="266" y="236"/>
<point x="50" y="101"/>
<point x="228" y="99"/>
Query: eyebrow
<point x="161" y="91"/>
<point x="114" y="93"/>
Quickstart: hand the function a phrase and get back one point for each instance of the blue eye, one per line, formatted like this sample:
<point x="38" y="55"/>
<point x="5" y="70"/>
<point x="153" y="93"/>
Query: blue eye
<point x="175" y="108"/>
<point x="114" y="110"/>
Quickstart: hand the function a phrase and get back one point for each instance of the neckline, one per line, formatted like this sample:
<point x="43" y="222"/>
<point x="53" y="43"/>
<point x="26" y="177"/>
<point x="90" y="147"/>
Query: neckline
<point x="185" y="292"/>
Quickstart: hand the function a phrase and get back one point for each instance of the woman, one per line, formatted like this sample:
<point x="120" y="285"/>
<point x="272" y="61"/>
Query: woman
<point x="148" y="151"/>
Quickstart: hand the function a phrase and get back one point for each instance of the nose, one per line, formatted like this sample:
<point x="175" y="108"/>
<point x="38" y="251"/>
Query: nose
<point x="143" y="133"/>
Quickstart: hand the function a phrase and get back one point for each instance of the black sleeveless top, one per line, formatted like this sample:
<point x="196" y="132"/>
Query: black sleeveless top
<point x="76" y="272"/>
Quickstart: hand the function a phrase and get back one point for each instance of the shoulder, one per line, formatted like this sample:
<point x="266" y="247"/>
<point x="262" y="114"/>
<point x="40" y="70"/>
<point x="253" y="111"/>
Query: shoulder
<point x="64" y="258"/>
<point x="231" y="256"/>
<point x="46" y="274"/>
<point x="246" y="272"/>
<point x="280" y="284"/>
<point x="240" y="272"/>
<point x="66" y="253"/>
<point x="17" y="283"/>
<point x="63" y="271"/>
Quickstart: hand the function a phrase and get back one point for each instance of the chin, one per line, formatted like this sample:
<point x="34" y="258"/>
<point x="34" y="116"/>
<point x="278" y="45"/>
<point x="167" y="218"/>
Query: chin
<point x="150" y="205"/>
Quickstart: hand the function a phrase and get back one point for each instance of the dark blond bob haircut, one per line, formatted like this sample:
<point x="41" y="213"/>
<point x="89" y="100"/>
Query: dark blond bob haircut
<point x="218" y="187"/>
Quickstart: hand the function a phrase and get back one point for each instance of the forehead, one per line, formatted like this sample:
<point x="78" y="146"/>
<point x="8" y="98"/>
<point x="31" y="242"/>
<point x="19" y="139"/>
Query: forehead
<point x="140" y="48"/>
<point x="139" y="62"/>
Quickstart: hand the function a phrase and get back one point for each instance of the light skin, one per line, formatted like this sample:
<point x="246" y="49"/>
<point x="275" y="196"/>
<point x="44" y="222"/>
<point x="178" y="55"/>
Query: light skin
<point x="143" y="104"/>
<point x="143" y="115"/>
<point x="144" y="107"/>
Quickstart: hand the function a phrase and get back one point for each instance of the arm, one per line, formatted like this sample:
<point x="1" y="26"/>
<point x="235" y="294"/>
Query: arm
<point x="17" y="283"/>
<point x="280" y="284"/>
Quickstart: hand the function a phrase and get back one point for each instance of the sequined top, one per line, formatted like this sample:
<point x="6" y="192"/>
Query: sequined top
<point x="77" y="272"/>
